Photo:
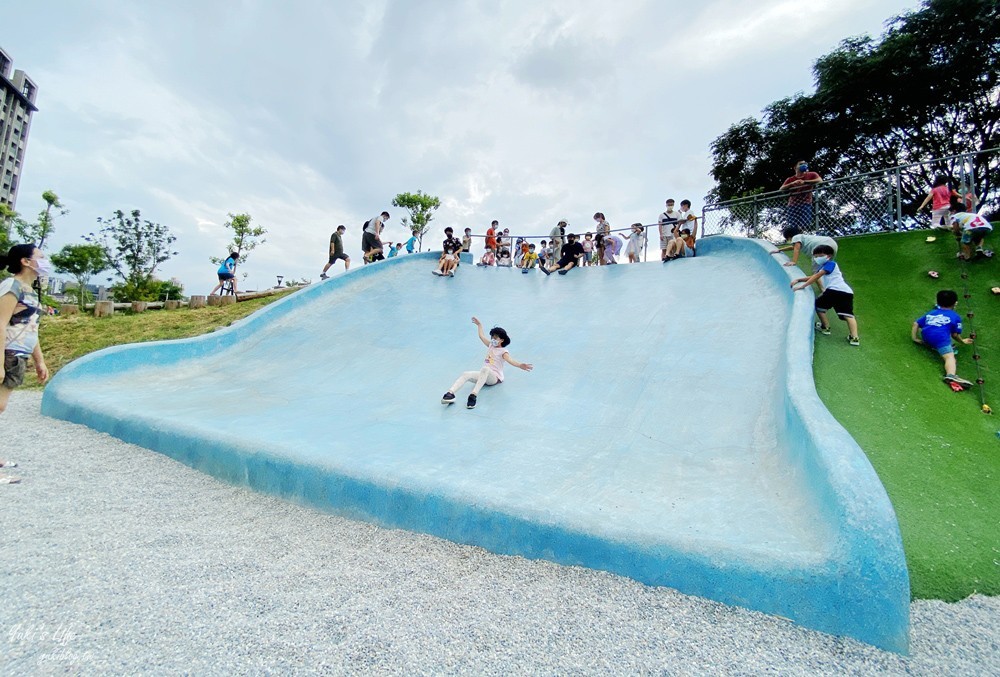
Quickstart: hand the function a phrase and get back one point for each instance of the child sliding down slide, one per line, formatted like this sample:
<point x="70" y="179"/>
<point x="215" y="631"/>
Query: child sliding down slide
<point x="491" y="372"/>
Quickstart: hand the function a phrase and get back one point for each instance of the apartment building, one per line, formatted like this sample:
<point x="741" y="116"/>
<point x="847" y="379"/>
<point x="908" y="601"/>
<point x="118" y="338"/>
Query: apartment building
<point x="17" y="103"/>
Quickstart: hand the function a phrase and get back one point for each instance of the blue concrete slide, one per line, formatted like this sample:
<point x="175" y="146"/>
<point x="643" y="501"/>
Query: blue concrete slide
<point x="670" y="431"/>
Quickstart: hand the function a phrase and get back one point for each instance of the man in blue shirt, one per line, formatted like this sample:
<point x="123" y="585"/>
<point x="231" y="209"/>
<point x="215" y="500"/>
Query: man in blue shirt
<point x="937" y="328"/>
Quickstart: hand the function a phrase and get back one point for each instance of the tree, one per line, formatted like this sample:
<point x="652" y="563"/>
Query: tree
<point x="81" y="261"/>
<point x="134" y="248"/>
<point x="421" y="208"/>
<point x="929" y="87"/>
<point x="39" y="231"/>
<point x="165" y="290"/>
<point x="7" y="216"/>
<point x="246" y="238"/>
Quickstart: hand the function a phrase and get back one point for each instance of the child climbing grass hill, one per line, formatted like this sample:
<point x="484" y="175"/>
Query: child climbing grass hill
<point x="937" y="454"/>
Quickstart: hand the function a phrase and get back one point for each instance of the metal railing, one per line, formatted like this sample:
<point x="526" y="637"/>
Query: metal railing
<point x="880" y="201"/>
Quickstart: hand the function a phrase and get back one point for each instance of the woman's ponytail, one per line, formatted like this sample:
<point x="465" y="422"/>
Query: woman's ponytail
<point x="12" y="261"/>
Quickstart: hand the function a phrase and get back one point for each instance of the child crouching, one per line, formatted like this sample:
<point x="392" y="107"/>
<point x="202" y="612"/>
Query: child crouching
<point x="837" y="294"/>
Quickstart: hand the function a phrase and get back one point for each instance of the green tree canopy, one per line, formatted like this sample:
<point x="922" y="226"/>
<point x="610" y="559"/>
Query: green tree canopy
<point x="134" y="247"/>
<point x="246" y="237"/>
<point x="7" y="216"/>
<point x="421" y="209"/>
<point x="81" y="261"/>
<point x="928" y="88"/>
<point x="166" y="290"/>
<point x="39" y="231"/>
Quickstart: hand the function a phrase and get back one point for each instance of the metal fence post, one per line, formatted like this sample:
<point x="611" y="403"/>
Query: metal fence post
<point x="899" y="200"/>
<point x="972" y="182"/>
<point x="756" y="219"/>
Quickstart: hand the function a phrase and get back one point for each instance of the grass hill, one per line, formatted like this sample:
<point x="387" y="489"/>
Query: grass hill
<point x="937" y="454"/>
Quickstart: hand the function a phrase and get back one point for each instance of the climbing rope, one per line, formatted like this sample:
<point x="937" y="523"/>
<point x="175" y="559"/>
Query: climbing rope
<point x="971" y="317"/>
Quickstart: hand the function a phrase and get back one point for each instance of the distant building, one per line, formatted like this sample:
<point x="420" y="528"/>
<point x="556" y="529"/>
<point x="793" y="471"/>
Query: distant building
<point x="17" y="103"/>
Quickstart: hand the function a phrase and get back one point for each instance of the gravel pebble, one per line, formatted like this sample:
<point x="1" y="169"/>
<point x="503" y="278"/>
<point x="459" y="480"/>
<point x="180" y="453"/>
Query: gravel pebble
<point x="118" y="559"/>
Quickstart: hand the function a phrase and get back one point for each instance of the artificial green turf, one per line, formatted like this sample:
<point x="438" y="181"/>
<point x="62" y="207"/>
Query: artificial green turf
<point x="937" y="453"/>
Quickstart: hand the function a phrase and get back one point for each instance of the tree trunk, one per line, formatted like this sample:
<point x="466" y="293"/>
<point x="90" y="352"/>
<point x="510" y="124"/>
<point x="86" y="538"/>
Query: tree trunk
<point x="196" y="302"/>
<point x="214" y="300"/>
<point x="139" y="306"/>
<point x="69" y="309"/>
<point x="104" y="309"/>
<point x="227" y="300"/>
<point x="171" y="305"/>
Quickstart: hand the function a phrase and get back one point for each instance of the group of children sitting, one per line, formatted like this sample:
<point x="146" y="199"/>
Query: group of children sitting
<point x="526" y="256"/>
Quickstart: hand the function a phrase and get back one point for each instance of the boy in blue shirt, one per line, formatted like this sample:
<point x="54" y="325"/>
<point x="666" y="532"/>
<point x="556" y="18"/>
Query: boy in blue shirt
<point x="837" y="294"/>
<point x="937" y="328"/>
<point x="411" y="243"/>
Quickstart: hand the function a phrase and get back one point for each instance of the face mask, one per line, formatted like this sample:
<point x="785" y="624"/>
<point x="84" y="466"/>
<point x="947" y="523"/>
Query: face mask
<point x="43" y="268"/>
<point x="494" y="342"/>
<point x="820" y="260"/>
<point x="803" y="168"/>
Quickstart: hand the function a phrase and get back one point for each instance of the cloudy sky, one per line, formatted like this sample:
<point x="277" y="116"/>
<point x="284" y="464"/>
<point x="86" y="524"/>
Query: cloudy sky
<point x="312" y="113"/>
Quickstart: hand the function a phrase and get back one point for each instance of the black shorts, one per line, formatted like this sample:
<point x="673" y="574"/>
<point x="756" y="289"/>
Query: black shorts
<point x="338" y="257"/>
<point x="840" y="301"/>
<point x="223" y="277"/>
<point x="565" y="261"/>
<point x="14" y="367"/>
<point x="370" y="241"/>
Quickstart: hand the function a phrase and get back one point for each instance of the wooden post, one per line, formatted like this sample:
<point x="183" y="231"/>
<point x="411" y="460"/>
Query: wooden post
<point x="104" y="309"/>
<point x="138" y="306"/>
<point x="214" y="300"/>
<point x="69" y="309"/>
<point x="196" y="302"/>
<point x="227" y="300"/>
<point x="171" y="305"/>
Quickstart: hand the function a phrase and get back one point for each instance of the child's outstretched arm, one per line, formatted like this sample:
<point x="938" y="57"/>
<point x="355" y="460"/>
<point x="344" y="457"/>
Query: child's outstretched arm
<point x="806" y="281"/>
<point x="482" y="335"/>
<point x="520" y="365"/>
<point x="958" y="337"/>
<point x="915" y="334"/>
<point x="796" y="250"/>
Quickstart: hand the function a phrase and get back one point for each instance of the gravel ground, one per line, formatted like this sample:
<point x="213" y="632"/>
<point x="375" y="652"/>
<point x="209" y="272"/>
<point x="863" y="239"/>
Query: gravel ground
<point x="117" y="559"/>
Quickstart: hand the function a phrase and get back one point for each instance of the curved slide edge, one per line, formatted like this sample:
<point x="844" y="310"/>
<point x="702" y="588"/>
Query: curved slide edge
<point x="871" y="599"/>
<point x="863" y="592"/>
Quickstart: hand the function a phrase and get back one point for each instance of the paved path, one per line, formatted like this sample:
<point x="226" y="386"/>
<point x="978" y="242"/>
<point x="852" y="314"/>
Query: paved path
<point x="117" y="559"/>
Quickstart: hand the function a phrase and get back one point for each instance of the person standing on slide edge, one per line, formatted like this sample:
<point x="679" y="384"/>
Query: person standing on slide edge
<point x="800" y="200"/>
<point x="491" y="372"/>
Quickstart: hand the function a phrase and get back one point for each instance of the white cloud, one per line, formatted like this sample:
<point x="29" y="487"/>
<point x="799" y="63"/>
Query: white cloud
<point x="312" y="114"/>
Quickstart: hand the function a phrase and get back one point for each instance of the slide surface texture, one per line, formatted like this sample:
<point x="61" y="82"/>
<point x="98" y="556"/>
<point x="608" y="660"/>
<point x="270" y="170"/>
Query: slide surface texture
<point x="670" y="430"/>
